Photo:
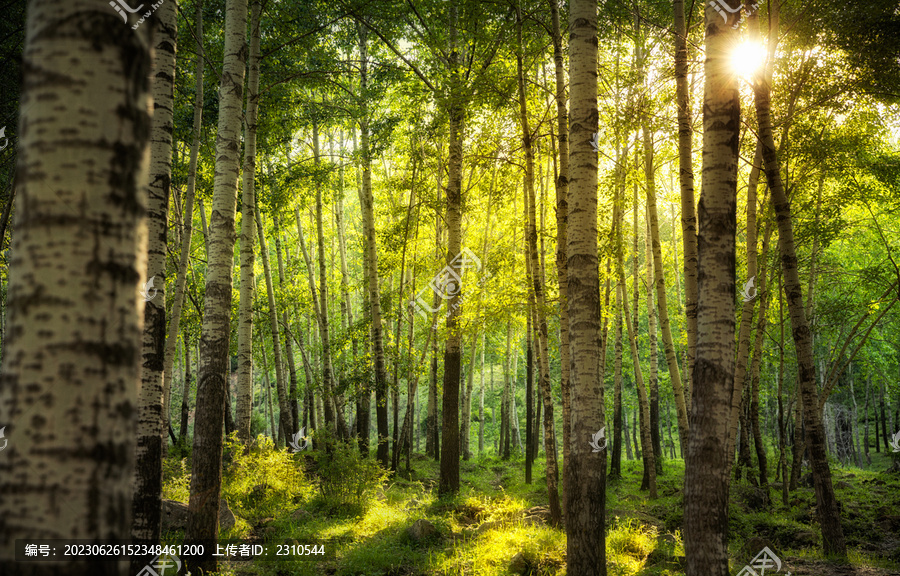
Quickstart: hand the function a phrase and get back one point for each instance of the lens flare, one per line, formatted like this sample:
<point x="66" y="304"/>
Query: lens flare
<point x="747" y="58"/>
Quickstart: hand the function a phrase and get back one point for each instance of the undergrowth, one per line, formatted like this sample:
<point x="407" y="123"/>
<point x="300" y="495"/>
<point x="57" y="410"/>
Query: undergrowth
<point x="495" y="525"/>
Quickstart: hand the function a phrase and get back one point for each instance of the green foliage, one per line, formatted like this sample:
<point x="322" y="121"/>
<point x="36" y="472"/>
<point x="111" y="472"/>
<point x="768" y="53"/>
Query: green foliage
<point x="628" y="544"/>
<point x="263" y="481"/>
<point x="346" y="480"/>
<point x="258" y="424"/>
<point x="176" y="479"/>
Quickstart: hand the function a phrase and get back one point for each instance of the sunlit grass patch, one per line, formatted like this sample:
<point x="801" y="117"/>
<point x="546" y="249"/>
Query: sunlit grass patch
<point x="628" y="543"/>
<point x="491" y="552"/>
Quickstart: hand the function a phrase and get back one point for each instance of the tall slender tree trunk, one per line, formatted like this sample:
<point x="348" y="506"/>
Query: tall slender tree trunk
<point x="866" y="430"/>
<point x="529" y="384"/>
<point x="615" y="469"/>
<point x="653" y="384"/>
<point x="756" y="363"/>
<point x="854" y="420"/>
<point x="248" y="238"/>
<point x="288" y="346"/>
<point x="660" y="285"/>
<point x="268" y="385"/>
<point x="643" y="400"/>
<point x="73" y="348"/>
<point x="586" y="494"/>
<point x="688" y="213"/>
<point x="153" y="415"/>
<point x="449" y="475"/>
<point x="466" y="408"/>
<point x="782" y="422"/>
<point x="884" y="430"/>
<point x="186" y="393"/>
<point x="187" y="222"/>
<point x="433" y="432"/>
<point x="505" y="422"/>
<point x="285" y="429"/>
<point x="628" y="452"/>
<point x="206" y="470"/>
<point x="330" y="414"/>
<point x="481" y="400"/>
<point x="371" y="256"/>
<point x="826" y="503"/>
<point x="706" y="472"/>
<point x="751" y="287"/>
<point x="537" y="292"/>
<point x="562" y="216"/>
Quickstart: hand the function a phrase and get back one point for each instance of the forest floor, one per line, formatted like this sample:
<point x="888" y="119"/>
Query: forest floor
<point x="497" y="524"/>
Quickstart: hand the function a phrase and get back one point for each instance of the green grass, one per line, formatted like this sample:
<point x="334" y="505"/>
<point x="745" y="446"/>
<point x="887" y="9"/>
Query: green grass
<point x="481" y="530"/>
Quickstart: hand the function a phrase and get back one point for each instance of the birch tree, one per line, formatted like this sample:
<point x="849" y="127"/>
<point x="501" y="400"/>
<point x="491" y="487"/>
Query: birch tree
<point x="72" y="352"/>
<point x="706" y="471"/>
<point x="827" y="508"/>
<point x="248" y="237"/>
<point x="153" y="419"/>
<point x="206" y="468"/>
<point x="586" y="498"/>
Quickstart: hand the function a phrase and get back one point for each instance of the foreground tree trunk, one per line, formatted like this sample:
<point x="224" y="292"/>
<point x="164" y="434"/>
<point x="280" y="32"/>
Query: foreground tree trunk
<point x="706" y="472"/>
<point x="827" y="509"/>
<point x="248" y="239"/>
<point x="153" y="418"/>
<point x="206" y="470"/>
<point x="586" y="483"/>
<point x="72" y="352"/>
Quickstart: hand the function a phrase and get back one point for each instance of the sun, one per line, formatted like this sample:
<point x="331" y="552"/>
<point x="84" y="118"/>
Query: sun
<point x="747" y="58"/>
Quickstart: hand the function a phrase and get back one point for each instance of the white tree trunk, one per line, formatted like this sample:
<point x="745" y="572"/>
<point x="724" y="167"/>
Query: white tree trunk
<point x="153" y="419"/>
<point x="206" y="470"/>
<point x="72" y="356"/>
<point x="248" y="239"/>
